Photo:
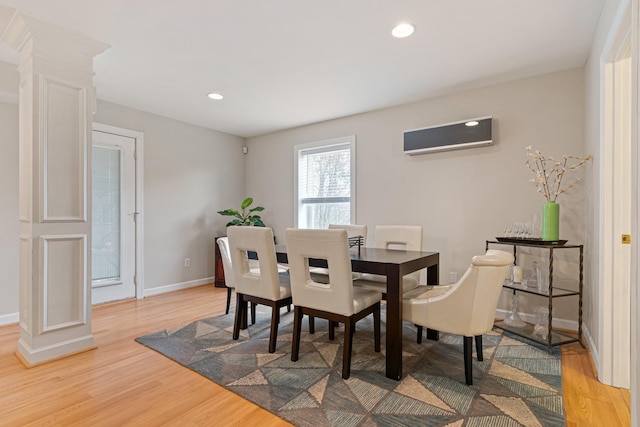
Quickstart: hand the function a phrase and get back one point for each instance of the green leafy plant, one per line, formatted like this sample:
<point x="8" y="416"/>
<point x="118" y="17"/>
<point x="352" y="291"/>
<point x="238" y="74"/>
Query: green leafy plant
<point x="246" y="217"/>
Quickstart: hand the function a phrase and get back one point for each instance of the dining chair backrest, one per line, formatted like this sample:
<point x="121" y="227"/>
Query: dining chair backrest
<point x="331" y="245"/>
<point x="399" y="237"/>
<point x="353" y="230"/>
<point x="262" y="282"/>
<point x="225" y="255"/>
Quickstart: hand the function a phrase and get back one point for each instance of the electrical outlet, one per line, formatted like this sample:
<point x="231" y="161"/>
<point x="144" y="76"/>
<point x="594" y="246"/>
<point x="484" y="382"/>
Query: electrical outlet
<point x="187" y="262"/>
<point x="453" y="277"/>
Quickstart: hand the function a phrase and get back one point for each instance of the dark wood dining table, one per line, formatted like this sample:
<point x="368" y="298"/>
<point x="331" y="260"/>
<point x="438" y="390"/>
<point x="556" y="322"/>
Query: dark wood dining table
<point x="394" y="264"/>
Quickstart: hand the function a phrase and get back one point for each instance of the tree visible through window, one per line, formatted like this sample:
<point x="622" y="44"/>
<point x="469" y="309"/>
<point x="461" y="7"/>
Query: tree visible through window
<point x="325" y="183"/>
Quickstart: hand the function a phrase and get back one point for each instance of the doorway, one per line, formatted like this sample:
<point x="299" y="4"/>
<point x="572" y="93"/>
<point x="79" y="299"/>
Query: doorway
<point x="116" y="215"/>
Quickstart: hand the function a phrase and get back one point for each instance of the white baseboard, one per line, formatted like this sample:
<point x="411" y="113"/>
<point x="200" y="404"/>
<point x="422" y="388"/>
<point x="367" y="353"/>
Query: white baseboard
<point x="568" y="325"/>
<point x="177" y="286"/>
<point x="7" y="319"/>
<point x="586" y="334"/>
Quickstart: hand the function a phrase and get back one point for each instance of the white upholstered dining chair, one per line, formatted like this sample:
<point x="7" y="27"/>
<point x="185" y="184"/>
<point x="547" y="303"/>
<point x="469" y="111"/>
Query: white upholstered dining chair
<point x="338" y="300"/>
<point x="229" y="280"/>
<point x="262" y="286"/>
<point x="397" y="237"/>
<point x="353" y="230"/>
<point x="320" y="274"/>
<point x="466" y="308"/>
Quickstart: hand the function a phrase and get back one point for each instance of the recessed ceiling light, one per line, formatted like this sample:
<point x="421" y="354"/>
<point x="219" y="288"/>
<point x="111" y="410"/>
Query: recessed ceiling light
<point x="215" y="96"/>
<point x="471" y="123"/>
<point x="402" y="30"/>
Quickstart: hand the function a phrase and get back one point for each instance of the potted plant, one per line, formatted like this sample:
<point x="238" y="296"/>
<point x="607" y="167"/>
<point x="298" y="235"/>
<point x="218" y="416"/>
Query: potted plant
<point x="247" y="216"/>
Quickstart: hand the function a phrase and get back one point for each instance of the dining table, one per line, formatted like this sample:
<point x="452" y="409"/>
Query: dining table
<point x="393" y="264"/>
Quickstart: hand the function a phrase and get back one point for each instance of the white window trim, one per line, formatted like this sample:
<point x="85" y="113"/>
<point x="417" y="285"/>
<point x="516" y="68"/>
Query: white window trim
<point x="349" y="139"/>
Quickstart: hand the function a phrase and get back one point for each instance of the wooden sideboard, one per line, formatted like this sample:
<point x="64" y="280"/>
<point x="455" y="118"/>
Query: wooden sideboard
<point x="218" y="269"/>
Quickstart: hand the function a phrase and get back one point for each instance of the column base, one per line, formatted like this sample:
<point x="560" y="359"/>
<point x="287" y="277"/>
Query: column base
<point x="30" y="358"/>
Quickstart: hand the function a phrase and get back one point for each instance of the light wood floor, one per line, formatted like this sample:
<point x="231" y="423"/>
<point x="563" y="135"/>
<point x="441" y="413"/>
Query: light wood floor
<point x="124" y="383"/>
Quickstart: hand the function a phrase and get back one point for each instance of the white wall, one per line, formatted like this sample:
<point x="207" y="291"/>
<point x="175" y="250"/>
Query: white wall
<point x="9" y="224"/>
<point x="461" y="198"/>
<point x="189" y="174"/>
<point x="9" y="81"/>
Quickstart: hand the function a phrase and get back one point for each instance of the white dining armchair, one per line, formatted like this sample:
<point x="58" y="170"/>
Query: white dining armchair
<point x="466" y="308"/>
<point x="338" y="300"/>
<point x="396" y="237"/>
<point x="262" y="286"/>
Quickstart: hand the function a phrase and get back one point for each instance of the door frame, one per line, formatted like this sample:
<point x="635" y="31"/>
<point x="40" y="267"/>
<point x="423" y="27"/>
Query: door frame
<point x="618" y="305"/>
<point x="635" y="226"/>
<point x="138" y="137"/>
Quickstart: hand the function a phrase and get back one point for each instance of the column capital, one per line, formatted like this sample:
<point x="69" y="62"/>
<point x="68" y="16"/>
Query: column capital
<point x="25" y="33"/>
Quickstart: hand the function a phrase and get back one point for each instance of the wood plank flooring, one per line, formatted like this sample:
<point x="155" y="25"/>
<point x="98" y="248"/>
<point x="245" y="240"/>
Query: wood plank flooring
<point x="124" y="383"/>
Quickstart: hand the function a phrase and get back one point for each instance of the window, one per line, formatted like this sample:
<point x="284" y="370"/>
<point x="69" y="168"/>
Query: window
<point x="325" y="187"/>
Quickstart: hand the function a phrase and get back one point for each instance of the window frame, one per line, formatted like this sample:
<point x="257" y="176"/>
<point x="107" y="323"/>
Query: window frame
<point x="349" y="140"/>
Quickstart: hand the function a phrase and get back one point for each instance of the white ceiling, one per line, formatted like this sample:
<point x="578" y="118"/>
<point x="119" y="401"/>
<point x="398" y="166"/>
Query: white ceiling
<point x="286" y="63"/>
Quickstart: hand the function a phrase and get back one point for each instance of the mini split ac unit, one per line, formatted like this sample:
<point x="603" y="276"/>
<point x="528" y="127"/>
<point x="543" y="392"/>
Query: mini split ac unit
<point x="452" y="136"/>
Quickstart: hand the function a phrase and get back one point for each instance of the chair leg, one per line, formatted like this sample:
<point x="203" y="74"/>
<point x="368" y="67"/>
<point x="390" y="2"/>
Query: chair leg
<point x="348" y="347"/>
<point x="332" y="332"/>
<point x="288" y="308"/>
<point x="419" y="334"/>
<point x="253" y="313"/>
<point x="275" y="320"/>
<point x="312" y="323"/>
<point x="297" y="326"/>
<point x="468" y="373"/>
<point x="228" y="300"/>
<point x="376" y="330"/>
<point x="479" y="348"/>
<point x="237" y="324"/>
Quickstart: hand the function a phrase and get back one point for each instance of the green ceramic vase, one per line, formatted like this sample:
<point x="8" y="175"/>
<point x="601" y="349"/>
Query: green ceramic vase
<point x="551" y="221"/>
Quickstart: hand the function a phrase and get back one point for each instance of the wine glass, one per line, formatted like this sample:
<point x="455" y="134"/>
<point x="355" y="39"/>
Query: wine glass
<point x="519" y="230"/>
<point x="535" y="226"/>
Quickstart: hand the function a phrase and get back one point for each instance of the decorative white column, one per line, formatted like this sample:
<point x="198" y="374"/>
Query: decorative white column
<point x="56" y="103"/>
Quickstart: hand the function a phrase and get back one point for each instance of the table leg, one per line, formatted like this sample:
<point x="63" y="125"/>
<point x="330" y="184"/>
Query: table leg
<point x="433" y="274"/>
<point x="433" y="279"/>
<point x="394" y="323"/>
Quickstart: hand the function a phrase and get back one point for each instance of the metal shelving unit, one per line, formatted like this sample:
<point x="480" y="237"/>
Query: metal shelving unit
<point x="554" y="338"/>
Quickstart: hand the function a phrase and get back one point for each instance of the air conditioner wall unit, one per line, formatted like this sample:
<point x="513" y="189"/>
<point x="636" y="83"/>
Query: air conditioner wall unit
<point x="452" y="136"/>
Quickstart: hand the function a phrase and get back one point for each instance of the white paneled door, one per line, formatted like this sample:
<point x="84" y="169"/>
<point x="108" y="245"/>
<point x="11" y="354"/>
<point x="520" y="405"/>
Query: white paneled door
<point x="113" y="239"/>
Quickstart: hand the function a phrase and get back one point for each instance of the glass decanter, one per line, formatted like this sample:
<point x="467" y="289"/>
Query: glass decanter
<point x="542" y="321"/>
<point x="514" y="319"/>
<point x="542" y="282"/>
<point x="508" y="280"/>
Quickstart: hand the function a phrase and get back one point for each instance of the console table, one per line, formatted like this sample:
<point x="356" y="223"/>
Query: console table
<point x="554" y="338"/>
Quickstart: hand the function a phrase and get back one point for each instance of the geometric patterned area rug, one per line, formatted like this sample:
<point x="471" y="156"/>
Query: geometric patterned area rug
<point x="517" y="384"/>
